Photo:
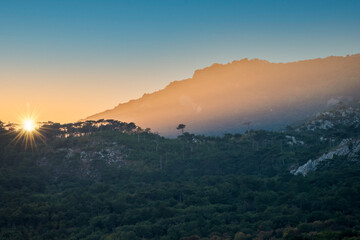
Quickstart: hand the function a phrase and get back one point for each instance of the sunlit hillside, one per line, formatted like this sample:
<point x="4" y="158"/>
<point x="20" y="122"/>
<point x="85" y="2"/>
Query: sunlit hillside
<point x="221" y="98"/>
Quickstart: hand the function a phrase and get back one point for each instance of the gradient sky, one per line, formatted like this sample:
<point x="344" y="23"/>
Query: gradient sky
<point x="72" y="58"/>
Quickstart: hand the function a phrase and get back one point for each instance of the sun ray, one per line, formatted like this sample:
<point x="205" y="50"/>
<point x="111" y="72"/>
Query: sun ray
<point x="28" y="133"/>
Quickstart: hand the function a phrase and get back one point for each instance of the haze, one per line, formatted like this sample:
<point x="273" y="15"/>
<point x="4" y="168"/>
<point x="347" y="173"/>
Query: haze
<point x="221" y="98"/>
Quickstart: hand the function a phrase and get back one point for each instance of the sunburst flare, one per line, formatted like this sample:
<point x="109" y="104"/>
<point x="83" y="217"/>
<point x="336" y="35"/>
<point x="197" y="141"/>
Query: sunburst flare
<point x="29" y="125"/>
<point x="28" y="131"/>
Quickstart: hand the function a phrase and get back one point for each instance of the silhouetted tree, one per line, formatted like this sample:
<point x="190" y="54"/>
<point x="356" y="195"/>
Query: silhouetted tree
<point x="181" y="127"/>
<point x="139" y="131"/>
<point x="130" y="127"/>
<point x="248" y="126"/>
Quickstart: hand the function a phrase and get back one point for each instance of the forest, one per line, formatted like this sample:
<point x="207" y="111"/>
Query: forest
<point x="107" y="180"/>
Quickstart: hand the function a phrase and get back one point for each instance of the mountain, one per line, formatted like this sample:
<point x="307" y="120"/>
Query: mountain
<point x="298" y="149"/>
<point x="222" y="97"/>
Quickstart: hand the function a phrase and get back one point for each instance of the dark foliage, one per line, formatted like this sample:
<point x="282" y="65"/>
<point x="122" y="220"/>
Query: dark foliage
<point x="112" y="180"/>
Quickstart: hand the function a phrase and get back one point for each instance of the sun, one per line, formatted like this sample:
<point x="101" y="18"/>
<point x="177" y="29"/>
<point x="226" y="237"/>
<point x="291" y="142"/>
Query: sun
<point x="28" y="133"/>
<point x="29" y="125"/>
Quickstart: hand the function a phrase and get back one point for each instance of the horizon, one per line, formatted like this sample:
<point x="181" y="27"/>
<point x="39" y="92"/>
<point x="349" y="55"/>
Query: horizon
<point x="68" y="60"/>
<point x="32" y="112"/>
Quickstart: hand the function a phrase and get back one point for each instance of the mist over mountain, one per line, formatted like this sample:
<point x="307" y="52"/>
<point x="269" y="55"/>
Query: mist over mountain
<point x="222" y="97"/>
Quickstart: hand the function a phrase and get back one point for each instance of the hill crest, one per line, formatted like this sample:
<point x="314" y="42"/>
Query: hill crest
<point x="221" y="97"/>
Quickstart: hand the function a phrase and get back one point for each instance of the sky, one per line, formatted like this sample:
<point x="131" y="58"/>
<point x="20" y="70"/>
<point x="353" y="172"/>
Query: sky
<point x="69" y="59"/>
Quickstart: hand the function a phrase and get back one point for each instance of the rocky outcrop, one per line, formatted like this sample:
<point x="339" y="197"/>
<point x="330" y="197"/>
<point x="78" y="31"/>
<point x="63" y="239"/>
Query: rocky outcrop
<point x="294" y="141"/>
<point x="340" y="114"/>
<point x="348" y="147"/>
<point x="83" y="159"/>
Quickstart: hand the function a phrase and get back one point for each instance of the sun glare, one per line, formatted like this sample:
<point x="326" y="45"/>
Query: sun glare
<point x="29" y="130"/>
<point x="29" y="125"/>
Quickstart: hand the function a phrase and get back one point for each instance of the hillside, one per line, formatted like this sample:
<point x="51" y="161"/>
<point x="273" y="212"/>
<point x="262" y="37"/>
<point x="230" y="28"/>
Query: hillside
<point x="113" y="180"/>
<point x="220" y="98"/>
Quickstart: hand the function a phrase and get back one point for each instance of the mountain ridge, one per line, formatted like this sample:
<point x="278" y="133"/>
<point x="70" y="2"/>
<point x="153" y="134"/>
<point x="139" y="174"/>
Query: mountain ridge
<point x="215" y="99"/>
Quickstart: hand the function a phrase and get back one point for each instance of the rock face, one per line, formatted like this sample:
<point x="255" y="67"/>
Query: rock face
<point x="339" y="114"/>
<point x="84" y="159"/>
<point x="294" y="141"/>
<point x="221" y="98"/>
<point x="348" y="147"/>
<point x="343" y="116"/>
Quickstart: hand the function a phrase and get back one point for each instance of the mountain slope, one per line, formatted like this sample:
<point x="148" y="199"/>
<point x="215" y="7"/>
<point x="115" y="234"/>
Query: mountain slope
<point x="112" y="180"/>
<point x="221" y="98"/>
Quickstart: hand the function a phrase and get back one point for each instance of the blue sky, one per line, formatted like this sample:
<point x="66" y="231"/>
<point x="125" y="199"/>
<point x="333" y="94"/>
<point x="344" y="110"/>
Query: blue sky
<point x="117" y="50"/>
